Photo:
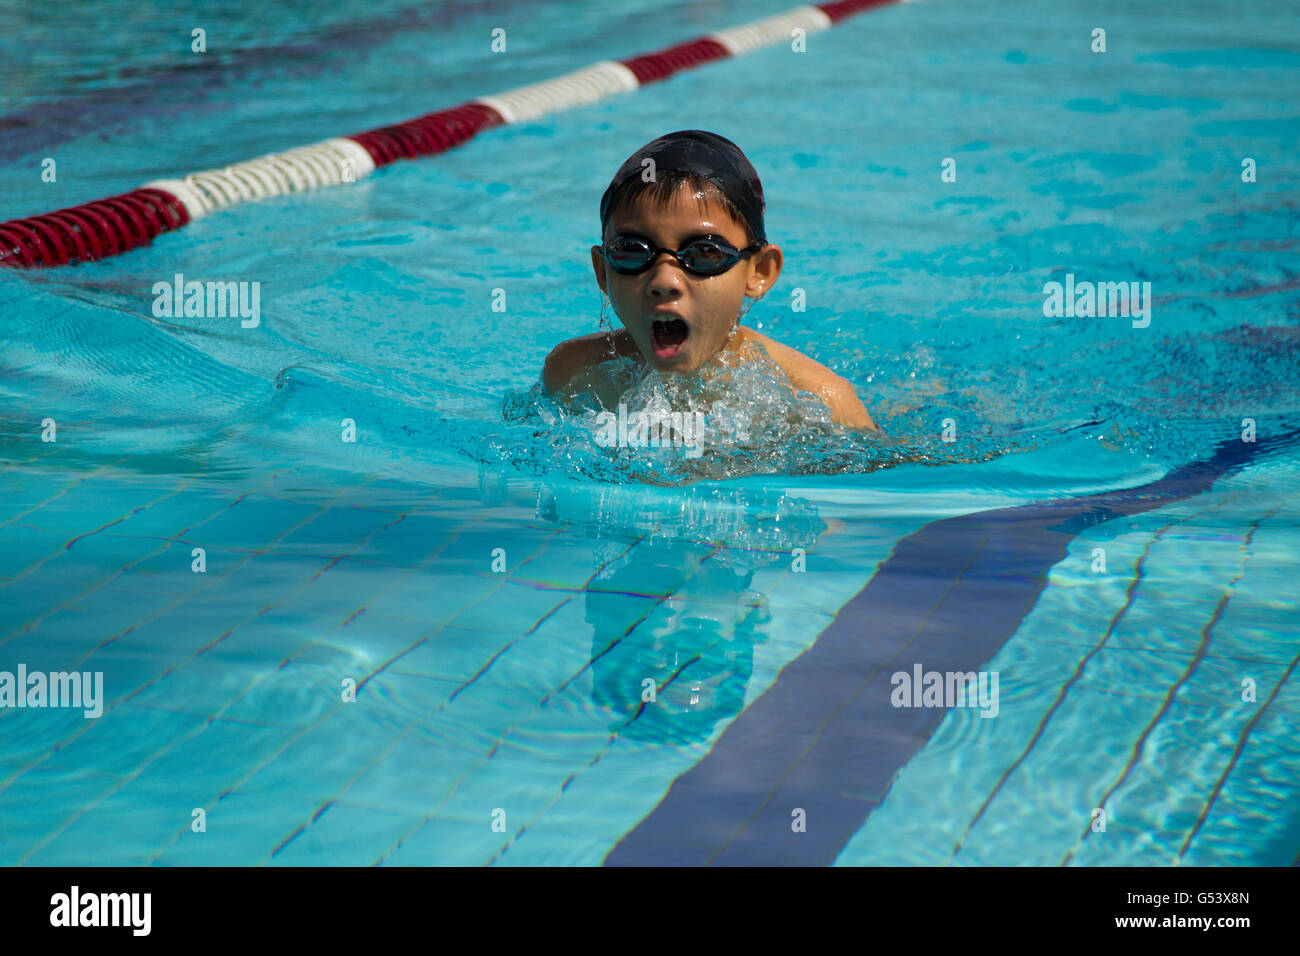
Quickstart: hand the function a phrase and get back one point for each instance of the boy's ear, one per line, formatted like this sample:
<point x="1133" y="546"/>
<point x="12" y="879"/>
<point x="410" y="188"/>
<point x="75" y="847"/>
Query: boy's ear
<point x="767" y="263"/>
<point x="598" y="264"/>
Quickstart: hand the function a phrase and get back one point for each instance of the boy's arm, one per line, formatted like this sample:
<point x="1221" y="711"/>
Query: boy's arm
<point x="807" y="375"/>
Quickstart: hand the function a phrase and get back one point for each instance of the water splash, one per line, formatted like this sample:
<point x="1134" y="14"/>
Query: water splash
<point x="737" y="418"/>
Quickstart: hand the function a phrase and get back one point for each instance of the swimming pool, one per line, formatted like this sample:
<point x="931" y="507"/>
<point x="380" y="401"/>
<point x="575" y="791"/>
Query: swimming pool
<point x="497" y="610"/>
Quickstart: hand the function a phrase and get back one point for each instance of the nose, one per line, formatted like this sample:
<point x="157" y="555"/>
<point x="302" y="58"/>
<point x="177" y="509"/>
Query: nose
<point x="666" y="278"/>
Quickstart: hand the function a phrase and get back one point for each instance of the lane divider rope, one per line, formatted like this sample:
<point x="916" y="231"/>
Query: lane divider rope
<point x="108" y="227"/>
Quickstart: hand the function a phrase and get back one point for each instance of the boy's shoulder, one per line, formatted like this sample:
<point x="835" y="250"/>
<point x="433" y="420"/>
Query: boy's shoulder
<point x="803" y="372"/>
<point x="574" y="356"/>
<point x="809" y="375"/>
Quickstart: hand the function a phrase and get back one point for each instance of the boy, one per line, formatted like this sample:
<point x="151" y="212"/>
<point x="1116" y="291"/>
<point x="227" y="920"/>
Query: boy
<point x="684" y="244"/>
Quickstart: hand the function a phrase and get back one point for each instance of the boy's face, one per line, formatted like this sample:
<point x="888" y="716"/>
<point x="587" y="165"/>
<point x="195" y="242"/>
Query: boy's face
<point x="706" y="306"/>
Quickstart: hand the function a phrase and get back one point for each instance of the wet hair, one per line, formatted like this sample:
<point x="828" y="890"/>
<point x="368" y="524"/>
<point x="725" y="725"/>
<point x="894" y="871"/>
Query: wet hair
<point x="659" y="193"/>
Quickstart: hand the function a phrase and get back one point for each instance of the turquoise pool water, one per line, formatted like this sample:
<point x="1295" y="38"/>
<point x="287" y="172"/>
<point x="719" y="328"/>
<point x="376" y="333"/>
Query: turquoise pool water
<point x="498" y="597"/>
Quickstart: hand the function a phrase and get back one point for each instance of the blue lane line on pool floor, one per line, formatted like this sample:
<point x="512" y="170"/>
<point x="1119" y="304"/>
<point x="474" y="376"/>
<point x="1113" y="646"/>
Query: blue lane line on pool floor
<point x="824" y="736"/>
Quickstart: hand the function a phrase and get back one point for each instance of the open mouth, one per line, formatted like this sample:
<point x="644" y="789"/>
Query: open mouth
<point x="668" y="336"/>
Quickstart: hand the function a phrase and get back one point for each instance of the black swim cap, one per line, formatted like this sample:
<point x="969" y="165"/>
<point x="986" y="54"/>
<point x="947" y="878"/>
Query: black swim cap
<point x="709" y="155"/>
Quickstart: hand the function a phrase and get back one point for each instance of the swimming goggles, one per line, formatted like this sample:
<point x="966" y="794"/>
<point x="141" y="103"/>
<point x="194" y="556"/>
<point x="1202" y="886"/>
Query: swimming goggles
<point x="704" y="256"/>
